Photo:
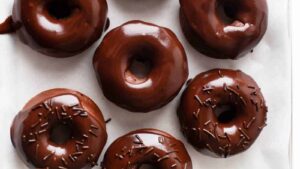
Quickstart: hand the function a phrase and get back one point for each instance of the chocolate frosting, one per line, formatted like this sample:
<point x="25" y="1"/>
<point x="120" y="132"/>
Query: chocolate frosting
<point x="237" y="126"/>
<point x="32" y="131"/>
<point x="149" y="43"/>
<point x="224" y="29"/>
<point x="147" y="146"/>
<point x="58" y="28"/>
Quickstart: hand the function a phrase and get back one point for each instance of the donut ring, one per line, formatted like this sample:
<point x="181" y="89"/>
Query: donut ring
<point x="143" y="45"/>
<point x="223" y="111"/>
<point x="59" y="128"/>
<point x="224" y="29"/>
<point x="58" y="28"/>
<point x="147" y="146"/>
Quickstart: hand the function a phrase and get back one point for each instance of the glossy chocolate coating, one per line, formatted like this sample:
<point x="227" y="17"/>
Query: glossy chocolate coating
<point x="224" y="29"/>
<point x="211" y="90"/>
<point x="78" y="25"/>
<point x="160" y="46"/>
<point x="147" y="146"/>
<point x="32" y="131"/>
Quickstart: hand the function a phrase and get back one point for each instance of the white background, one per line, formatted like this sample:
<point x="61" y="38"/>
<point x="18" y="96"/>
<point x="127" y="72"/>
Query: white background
<point x="25" y="73"/>
<point x="295" y="22"/>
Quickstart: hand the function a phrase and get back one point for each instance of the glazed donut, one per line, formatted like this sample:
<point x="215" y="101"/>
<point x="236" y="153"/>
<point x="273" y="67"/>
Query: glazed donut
<point x="57" y="28"/>
<point x="224" y="29"/>
<point x="147" y="147"/>
<point x="223" y="111"/>
<point x="59" y="128"/>
<point x="141" y="66"/>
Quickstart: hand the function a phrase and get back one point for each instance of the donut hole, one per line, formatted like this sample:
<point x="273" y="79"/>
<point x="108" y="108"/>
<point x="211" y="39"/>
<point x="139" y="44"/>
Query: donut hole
<point x="139" y="66"/>
<point x="61" y="9"/>
<point x="147" y="166"/>
<point x="225" y="113"/>
<point x="60" y="133"/>
<point x="227" y="11"/>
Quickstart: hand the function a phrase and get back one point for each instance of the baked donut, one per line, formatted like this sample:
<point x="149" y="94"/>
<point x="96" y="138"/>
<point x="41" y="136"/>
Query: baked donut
<point x="59" y="128"/>
<point x="141" y="66"/>
<point x="57" y="28"/>
<point x="224" y="29"/>
<point x="223" y="111"/>
<point x="147" y="147"/>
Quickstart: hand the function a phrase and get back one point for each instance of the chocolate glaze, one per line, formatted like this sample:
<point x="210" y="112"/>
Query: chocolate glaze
<point x="147" y="146"/>
<point x="234" y="130"/>
<point x="32" y="131"/>
<point x="224" y="29"/>
<point x="168" y="68"/>
<point x="58" y="28"/>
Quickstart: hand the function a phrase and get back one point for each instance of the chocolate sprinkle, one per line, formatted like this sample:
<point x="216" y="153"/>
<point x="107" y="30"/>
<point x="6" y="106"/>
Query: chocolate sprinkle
<point x="108" y="120"/>
<point x="209" y="133"/>
<point x="198" y="100"/>
<point x="244" y="133"/>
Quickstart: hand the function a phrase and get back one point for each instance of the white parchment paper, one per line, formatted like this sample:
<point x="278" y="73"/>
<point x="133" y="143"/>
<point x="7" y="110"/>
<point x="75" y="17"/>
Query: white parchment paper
<point x="24" y="73"/>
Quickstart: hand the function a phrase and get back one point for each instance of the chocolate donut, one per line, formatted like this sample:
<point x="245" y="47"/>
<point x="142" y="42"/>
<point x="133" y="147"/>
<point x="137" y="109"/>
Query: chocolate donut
<point x="223" y="111"/>
<point x="147" y="147"/>
<point x="59" y="128"/>
<point x="141" y="66"/>
<point x="224" y="29"/>
<point x="57" y="28"/>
